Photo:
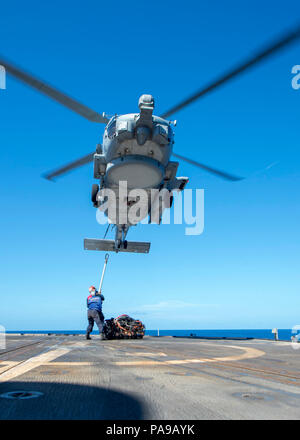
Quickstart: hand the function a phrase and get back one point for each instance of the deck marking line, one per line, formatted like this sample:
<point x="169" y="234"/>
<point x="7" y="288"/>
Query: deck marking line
<point x="68" y="364"/>
<point x="6" y="365"/>
<point x="138" y="353"/>
<point x="249" y="353"/>
<point x="33" y="362"/>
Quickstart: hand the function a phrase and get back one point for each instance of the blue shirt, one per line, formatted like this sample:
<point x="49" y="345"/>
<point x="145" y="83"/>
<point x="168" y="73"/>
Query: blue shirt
<point x="94" y="302"/>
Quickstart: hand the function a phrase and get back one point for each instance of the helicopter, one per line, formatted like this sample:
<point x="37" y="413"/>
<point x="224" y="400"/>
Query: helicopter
<point x="137" y="148"/>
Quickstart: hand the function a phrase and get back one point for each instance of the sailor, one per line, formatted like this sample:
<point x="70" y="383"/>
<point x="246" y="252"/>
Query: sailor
<point x="94" y="313"/>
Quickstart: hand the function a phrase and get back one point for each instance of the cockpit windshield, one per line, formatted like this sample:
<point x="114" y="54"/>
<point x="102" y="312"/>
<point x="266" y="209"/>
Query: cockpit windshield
<point x="111" y="128"/>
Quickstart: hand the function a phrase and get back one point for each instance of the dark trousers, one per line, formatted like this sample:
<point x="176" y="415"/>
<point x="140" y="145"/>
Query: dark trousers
<point x="98" y="318"/>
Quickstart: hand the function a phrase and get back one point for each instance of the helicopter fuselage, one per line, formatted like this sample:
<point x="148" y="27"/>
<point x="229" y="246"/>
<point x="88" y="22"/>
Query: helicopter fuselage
<point x="136" y="150"/>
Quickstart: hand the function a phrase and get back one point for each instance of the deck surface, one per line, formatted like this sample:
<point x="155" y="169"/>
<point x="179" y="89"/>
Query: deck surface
<point x="154" y="378"/>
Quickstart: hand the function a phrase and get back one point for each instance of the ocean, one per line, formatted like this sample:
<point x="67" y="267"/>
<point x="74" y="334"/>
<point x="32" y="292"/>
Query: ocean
<point x="283" y="334"/>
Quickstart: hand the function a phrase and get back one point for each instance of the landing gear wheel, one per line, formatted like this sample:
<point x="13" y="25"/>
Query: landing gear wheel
<point x="95" y="190"/>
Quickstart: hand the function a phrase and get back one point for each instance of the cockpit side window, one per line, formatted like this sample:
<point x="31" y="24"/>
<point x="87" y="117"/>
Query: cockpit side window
<point x="111" y="129"/>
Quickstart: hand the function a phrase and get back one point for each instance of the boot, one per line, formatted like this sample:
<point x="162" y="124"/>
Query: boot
<point x="87" y="336"/>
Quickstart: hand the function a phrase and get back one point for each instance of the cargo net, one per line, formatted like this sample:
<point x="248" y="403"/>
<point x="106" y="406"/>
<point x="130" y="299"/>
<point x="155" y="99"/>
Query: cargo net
<point x="123" y="327"/>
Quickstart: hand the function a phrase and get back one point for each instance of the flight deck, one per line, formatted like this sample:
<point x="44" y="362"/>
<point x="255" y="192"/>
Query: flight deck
<point x="57" y="377"/>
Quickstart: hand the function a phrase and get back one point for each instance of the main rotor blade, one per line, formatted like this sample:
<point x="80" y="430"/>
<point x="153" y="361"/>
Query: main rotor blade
<point x="53" y="93"/>
<point x="209" y="169"/>
<point x="269" y="50"/>
<point x="75" y="164"/>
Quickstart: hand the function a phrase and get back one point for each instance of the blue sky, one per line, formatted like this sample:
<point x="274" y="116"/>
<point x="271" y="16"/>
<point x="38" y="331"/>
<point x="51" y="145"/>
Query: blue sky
<point x="243" y="271"/>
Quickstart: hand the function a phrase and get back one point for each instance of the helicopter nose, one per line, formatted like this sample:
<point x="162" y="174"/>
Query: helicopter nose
<point x="144" y="123"/>
<point x="146" y="102"/>
<point x="142" y="134"/>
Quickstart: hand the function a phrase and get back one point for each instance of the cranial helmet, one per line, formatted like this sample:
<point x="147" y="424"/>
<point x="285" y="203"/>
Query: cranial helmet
<point x="92" y="290"/>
